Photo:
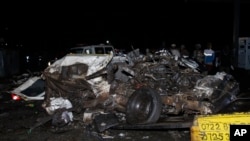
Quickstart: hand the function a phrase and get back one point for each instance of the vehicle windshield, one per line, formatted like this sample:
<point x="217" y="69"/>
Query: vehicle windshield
<point x="103" y="50"/>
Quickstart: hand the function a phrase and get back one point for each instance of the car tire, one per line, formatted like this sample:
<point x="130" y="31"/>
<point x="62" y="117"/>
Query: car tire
<point x="143" y="107"/>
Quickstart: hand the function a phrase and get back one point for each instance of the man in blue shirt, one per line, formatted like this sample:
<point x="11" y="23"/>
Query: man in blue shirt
<point x="209" y="56"/>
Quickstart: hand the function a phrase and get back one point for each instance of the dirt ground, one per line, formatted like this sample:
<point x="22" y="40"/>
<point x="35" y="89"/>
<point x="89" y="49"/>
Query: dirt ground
<point x="17" y="118"/>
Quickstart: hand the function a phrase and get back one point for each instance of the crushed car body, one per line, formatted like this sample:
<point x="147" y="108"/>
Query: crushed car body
<point x="139" y="89"/>
<point x="31" y="89"/>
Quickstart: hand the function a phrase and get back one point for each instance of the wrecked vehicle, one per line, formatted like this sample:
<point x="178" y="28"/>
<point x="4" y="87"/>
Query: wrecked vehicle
<point x="137" y="90"/>
<point x="25" y="86"/>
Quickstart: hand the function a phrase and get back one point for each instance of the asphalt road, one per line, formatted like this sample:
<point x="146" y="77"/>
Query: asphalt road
<point x="18" y="118"/>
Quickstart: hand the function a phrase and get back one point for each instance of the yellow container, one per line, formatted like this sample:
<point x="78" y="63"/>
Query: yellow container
<point x="216" y="127"/>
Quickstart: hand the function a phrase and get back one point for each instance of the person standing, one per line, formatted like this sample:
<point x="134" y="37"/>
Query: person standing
<point x="184" y="52"/>
<point x="225" y="59"/>
<point x="198" y="54"/>
<point x="209" y="58"/>
<point x="175" y="51"/>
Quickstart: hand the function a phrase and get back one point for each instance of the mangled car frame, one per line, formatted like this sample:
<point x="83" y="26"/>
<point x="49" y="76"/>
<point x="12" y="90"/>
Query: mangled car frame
<point x="138" y="89"/>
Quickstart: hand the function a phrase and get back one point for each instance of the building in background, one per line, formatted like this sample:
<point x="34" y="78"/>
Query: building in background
<point x="9" y="54"/>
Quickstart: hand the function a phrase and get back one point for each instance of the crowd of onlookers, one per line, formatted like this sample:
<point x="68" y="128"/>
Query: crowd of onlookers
<point x="212" y="60"/>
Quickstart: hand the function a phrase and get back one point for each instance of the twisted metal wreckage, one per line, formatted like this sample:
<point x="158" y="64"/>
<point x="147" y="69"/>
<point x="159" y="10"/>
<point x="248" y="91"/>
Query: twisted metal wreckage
<point x="137" y="89"/>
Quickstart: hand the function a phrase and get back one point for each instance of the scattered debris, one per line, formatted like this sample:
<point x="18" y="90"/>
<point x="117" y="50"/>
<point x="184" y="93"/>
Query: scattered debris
<point x="137" y="90"/>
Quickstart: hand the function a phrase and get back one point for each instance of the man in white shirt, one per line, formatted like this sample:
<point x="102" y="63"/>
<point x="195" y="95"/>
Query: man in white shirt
<point x="175" y="52"/>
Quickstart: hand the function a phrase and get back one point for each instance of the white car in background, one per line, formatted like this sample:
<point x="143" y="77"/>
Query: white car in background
<point x="92" y="49"/>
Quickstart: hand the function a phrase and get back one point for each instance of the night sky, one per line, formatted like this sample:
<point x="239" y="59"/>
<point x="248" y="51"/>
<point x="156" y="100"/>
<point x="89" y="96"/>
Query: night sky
<point x="188" y="22"/>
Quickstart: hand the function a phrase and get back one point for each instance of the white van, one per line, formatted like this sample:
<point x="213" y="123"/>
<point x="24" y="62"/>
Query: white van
<point x="92" y="49"/>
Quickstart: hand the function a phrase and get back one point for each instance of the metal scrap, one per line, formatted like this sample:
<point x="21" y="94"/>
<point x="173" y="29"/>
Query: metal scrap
<point x="90" y="82"/>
